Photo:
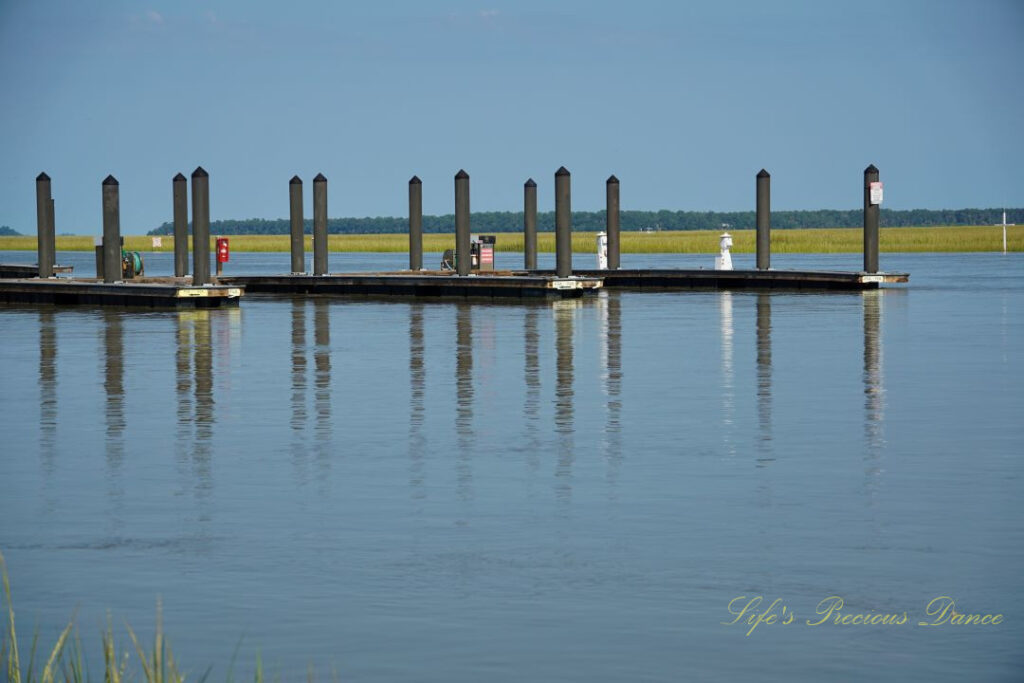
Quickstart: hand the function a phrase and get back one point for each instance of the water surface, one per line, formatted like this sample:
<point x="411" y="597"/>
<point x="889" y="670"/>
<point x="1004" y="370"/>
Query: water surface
<point x="573" y="490"/>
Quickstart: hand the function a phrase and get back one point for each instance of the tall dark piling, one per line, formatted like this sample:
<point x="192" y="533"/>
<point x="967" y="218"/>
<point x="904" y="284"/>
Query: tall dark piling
<point x="463" y="260"/>
<point x="764" y="220"/>
<point x="563" y="223"/>
<point x="46" y="240"/>
<point x="179" y="191"/>
<point x="611" y="221"/>
<point x="111" y="230"/>
<point x="871" y="215"/>
<point x="297" y="224"/>
<point x="319" y="225"/>
<point x="415" y="224"/>
<point x="200" y="227"/>
<point x="530" y="225"/>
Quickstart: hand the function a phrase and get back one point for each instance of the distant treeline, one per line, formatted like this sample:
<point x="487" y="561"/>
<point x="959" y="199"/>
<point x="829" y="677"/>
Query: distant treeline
<point x="508" y="221"/>
<point x="6" y="231"/>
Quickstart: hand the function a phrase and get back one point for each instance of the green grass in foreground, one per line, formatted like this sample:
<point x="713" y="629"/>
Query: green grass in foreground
<point x="812" y="241"/>
<point x="65" y="660"/>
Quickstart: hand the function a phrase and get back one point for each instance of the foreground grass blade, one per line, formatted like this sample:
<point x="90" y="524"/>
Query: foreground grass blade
<point x="13" y="665"/>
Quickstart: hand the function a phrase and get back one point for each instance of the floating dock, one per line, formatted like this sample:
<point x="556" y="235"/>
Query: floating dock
<point x="23" y="270"/>
<point x="670" y="278"/>
<point x="421" y="284"/>
<point x="150" y="293"/>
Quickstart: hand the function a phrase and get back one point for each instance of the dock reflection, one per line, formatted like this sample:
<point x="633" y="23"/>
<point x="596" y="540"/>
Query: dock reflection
<point x="611" y="380"/>
<point x="728" y="380"/>
<point x="322" y="382"/>
<point x="532" y="383"/>
<point x="113" y="387"/>
<point x="464" y="433"/>
<point x="300" y="350"/>
<point x="48" y="390"/>
<point x="874" y="380"/>
<point x="764" y="378"/>
<point x="196" y="407"/>
<point x="564" y="314"/>
<point x="417" y="409"/>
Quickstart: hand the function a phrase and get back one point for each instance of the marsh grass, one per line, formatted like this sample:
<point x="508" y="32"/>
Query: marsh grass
<point x="66" y="660"/>
<point x="811" y="241"/>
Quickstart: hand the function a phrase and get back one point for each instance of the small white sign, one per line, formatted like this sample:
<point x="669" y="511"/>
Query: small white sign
<point x="158" y="242"/>
<point x="876" y="193"/>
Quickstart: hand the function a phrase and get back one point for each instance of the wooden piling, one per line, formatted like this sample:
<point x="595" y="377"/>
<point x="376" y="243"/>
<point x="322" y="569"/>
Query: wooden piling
<point x="763" y="219"/>
<point x="200" y="227"/>
<point x="530" y="224"/>
<point x="463" y="260"/>
<point x="563" y="223"/>
<point x="415" y="224"/>
<point x="612" y="221"/>
<point x="46" y="238"/>
<point x="111" y="230"/>
<point x="871" y="216"/>
<point x="319" y="225"/>
<point x="179" y="192"/>
<point x="297" y="225"/>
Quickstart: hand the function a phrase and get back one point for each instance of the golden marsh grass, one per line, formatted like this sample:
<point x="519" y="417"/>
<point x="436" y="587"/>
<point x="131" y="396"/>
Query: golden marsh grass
<point x="810" y="241"/>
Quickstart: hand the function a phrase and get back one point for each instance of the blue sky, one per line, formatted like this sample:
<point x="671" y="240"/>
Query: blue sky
<point x="683" y="102"/>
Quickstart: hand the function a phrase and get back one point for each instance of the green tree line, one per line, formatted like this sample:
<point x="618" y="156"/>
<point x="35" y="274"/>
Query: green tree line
<point x="508" y="221"/>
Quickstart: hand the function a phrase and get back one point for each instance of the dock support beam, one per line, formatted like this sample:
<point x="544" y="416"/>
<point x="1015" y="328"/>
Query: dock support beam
<point x="320" y="225"/>
<point x="200" y="227"/>
<point x="764" y="220"/>
<point x="298" y="225"/>
<point x="463" y="260"/>
<point x="563" y="223"/>
<point x="179" y="194"/>
<point x="530" y="224"/>
<point x="415" y="224"/>
<point x="871" y="215"/>
<point x="612" y="221"/>
<point x="111" y="230"/>
<point x="46" y="238"/>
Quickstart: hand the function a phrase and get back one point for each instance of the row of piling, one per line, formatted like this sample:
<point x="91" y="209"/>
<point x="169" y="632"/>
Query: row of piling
<point x="111" y="268"/>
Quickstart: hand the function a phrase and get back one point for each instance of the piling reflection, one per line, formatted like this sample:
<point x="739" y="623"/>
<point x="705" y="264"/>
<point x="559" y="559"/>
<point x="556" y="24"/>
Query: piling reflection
<point x="874" y="389"/>
<point x="611" y="379"/>
<point x="465" y="435"/>
<point x="322" y="380"/>
<point x="196" y="410"/>
<point x="298" y="374"/>
<point x="417" y="388"/>
<point x="113" y="387"/>
<point x="728" y="388"/>
<point x="764" y="377"/>
<point x="47" y="389"/>
<point x="531" y="378"/>
<point x="564" y="314"/>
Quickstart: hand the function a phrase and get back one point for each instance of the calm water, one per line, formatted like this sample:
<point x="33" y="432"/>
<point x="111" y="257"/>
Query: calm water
<point x="561" y="491"/>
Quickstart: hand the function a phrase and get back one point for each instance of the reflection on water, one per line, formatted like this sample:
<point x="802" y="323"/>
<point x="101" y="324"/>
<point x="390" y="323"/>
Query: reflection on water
<point x="299" y="350"/>
<point x="195" y="402"/>
<point x="113" y="386"/>
<point x="47" y="390"/>
<point x="611" y="380"/>
<point x="531" y="380"/>
<point x="298" y="375"/>
<point x="764" y="377"/>
<point x="465" y="435"/>
<point x="322" y="381"/>
<point x="564" y="312"/>
<point x="874" y="389"/>
<point x="417" y="387"/>
<point x="728" y="389"/>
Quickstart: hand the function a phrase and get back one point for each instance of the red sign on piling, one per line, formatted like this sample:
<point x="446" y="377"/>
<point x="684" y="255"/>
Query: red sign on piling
<point x="222" y="250"/>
